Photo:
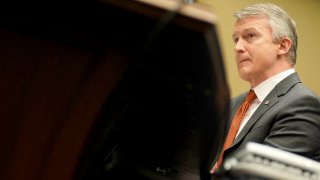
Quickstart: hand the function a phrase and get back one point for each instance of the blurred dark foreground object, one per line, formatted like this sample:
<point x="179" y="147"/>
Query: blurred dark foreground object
<point x="110" y="90"/>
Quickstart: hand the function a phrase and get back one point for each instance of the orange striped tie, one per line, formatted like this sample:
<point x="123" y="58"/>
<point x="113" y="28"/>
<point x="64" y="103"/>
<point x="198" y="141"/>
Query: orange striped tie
<point x="234" y="127"/>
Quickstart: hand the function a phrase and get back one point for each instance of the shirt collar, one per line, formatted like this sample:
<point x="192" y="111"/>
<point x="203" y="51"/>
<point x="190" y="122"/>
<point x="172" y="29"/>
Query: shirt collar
<point x="264" y="88"/>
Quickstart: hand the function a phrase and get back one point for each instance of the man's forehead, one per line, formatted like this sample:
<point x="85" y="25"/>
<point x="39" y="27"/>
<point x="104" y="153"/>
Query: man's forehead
<point x="251" y="24"/>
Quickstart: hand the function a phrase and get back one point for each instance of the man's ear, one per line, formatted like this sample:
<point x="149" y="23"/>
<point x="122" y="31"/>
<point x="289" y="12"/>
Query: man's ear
<point x="284" y="46"/>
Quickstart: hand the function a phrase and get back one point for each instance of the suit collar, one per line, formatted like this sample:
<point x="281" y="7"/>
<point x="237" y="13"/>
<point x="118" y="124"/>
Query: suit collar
<point x="285" y="85"/>
<point x="265" y="87"/>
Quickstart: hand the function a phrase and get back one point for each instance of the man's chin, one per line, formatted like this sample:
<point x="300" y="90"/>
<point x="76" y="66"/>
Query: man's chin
<point x="245" y="75"/>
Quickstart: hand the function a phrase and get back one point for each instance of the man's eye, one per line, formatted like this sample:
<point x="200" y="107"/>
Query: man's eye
<point x="250" y="35"/>
<point x="235" y="40"/>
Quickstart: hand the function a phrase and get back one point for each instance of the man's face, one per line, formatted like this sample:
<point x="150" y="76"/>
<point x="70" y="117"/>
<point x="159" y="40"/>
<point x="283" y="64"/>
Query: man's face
<point x="255" y="52"/>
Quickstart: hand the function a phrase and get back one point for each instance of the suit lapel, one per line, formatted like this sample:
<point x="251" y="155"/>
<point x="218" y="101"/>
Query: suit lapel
<point x="272" y="98"/>
<point x="264" y="106"/>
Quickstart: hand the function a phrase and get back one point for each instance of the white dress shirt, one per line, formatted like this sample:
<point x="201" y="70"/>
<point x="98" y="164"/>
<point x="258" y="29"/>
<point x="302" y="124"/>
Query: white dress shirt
<point x="262" y="90"/>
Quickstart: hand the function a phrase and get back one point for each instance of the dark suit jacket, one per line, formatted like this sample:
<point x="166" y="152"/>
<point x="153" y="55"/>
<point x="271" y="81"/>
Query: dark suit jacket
<point x="288" y="118"/>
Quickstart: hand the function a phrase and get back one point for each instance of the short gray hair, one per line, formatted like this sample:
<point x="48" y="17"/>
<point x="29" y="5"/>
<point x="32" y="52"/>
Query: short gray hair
<point x="281" y="23"/>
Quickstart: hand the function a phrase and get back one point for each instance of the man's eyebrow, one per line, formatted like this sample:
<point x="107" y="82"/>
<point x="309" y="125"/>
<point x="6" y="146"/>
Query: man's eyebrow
<point x="234" y="34"/>
<point x="244" y="30"/>
<point x="250" y="29"/>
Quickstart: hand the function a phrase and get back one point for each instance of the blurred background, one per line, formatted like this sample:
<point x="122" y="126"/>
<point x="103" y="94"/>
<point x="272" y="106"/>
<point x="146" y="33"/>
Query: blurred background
<point x="307" y="16"/>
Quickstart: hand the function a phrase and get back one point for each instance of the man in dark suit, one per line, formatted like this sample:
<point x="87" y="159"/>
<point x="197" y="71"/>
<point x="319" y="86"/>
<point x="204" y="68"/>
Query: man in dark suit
<point x="285" y="114"/>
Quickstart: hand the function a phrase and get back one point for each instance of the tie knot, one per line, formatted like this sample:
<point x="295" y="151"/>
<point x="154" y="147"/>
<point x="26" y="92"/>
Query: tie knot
<point x="250" y="96"/>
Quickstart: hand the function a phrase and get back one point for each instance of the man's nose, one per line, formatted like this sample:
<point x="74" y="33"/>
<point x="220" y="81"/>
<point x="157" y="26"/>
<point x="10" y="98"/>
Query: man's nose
<point x="239" y="46"/>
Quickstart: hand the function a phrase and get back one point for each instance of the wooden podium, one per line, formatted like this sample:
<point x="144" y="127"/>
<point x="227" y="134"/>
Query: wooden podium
<point x="92" y="89"/>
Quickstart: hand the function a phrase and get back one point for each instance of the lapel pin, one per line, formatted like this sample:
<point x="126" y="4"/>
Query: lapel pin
<point x="266" y="102"/>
